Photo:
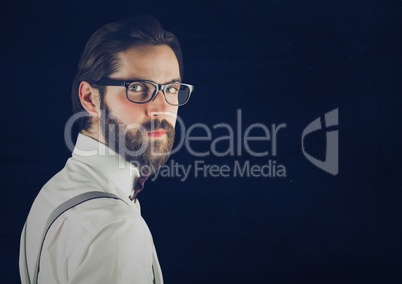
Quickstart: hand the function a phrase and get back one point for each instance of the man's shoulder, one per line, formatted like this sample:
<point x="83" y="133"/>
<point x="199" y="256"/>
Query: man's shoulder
<point x="76" y="177"/>
<point x="99" y="213"/>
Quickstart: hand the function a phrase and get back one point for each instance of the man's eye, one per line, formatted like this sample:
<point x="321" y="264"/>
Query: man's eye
<point x="172" y="90"/>
<point x="135" y="88"/>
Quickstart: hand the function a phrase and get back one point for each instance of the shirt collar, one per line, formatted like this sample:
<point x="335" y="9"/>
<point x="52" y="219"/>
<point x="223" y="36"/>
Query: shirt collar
<point x="114" y="166"/>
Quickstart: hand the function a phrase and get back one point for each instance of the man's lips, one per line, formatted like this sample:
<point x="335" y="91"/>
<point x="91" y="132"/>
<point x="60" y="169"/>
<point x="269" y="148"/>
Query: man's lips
<point x="157" y="133"/>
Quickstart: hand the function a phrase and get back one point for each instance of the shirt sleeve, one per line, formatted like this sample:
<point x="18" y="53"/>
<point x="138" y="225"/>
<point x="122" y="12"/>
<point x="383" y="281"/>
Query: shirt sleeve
<point x="119" y="252"/>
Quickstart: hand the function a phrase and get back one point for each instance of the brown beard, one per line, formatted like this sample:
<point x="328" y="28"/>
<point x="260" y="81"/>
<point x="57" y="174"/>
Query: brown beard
<point x="147" y="154"/>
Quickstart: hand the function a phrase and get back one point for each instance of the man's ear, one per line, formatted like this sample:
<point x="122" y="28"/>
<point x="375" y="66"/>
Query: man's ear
<point x="89" y="98"/>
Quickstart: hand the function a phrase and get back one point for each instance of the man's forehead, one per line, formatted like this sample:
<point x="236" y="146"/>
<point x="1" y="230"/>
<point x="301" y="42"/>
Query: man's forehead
<point x="147" y="63"/>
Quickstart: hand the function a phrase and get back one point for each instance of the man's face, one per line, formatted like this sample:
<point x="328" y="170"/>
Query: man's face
<point x="142" y="133"/>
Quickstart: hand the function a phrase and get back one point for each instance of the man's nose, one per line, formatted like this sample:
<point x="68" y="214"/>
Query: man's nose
<point x="158" y="105"/>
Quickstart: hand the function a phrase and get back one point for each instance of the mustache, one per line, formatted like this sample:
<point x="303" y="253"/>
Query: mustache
<point x="157" y="124"/>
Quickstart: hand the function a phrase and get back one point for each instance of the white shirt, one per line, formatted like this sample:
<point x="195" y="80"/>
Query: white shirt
<point x="100" y="241"/>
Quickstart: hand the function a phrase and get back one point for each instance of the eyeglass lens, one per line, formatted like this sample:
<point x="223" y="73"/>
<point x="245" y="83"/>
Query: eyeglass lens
<point x="175" y="94"/>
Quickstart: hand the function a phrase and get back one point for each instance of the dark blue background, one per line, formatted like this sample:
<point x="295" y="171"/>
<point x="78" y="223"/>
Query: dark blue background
<point x="279" y="62"/>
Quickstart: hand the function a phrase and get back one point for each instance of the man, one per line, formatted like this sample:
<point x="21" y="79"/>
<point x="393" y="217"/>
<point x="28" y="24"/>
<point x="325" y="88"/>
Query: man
<point x="129" y="86"/>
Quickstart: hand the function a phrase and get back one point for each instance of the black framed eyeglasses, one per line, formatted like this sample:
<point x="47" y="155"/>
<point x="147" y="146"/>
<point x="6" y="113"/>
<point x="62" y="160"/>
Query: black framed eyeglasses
<point x="144" y="91"/>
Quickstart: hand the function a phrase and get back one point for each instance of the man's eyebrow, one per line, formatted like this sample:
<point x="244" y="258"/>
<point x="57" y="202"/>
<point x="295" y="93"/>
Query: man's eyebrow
<point x="176" y="80"/>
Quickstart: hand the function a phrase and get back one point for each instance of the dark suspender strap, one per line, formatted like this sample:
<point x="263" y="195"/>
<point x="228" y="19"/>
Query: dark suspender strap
<point x="56" y="213"/>
<point x="27" y="279"/>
